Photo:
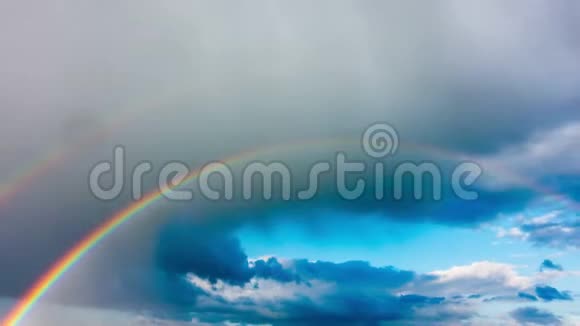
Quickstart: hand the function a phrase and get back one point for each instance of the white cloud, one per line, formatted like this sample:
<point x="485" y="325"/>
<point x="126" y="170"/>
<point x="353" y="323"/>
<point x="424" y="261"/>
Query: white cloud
<point x="482" y="278"/>
<point x="485" y="278"/>
<point x="262" y="290"/>
<point x="556" y="228"/>
<point x="511" y="233"/>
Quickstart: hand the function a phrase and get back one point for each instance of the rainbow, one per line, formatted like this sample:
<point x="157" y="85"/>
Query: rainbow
<point x="66" y="262"/>
<point x="82" y="248"/>
<point x="58" y="156"/>
<point x="54" y="158"/>
<point x="49" y="162"/>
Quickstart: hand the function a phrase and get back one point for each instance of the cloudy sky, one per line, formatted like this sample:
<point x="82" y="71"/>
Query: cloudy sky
<point x="294" y="82"/>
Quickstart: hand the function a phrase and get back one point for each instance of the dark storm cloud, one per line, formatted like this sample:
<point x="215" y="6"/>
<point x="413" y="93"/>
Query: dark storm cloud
<point x="272" y="269"/>
<point x="338" y="293"/>
<point x="211" y="255"/>
<point x="535" y="316"/>
<point x="353" y="273"/>
<point x="201" y="271"/>
<point x="450" y="209"/>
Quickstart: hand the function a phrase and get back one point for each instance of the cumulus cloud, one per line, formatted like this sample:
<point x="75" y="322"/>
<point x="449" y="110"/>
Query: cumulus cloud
<point x="482" y="278"/>
<point x="354" y="273"/>
<point x="559" y="229"/>
<point x="213" y="255"/>
<point x="204" y="272"/>
<point x="179" y="283"/>
<point x="203" y="269"/>
<point x="270" y="268"/>
<point x="322" y="300"/>
<point x="490" y="281"/>
<point x="315" y="292"/>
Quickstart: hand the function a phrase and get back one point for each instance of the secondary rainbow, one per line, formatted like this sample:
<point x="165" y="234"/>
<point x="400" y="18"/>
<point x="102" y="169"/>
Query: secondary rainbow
<point x="56" y="157"/>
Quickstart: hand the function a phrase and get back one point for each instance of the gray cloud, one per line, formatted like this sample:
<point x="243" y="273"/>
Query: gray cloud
<point x="558" y="229"/>
<point x="535" y="316"/>
<point x="198" y="81"/>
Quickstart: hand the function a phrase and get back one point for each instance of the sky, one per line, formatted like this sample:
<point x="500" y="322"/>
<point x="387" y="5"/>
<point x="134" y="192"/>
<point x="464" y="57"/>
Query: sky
<point x="294" y="82"/>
